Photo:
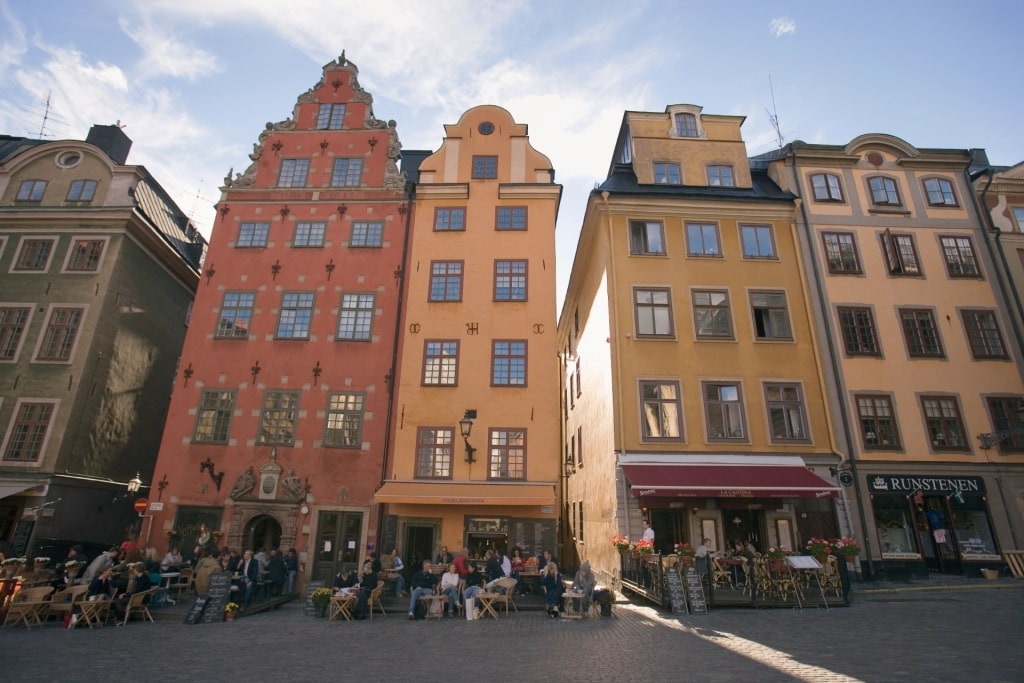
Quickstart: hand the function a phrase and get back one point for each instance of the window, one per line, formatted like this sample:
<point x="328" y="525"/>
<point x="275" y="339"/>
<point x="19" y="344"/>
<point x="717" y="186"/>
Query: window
<point x="506" y="457"/>
<point x="758" y="241"/>
<point x="940" y="192"/>
<point x="278" y="417"/>
<point x="34" y="254"/>
<point x="510" y="280"/>
<point x="724" y="411"/>
<point x="213" y="419"/>
<point x="13" y="321"/>
<point x="771" y="319"/>
<point x="309" y="234"/>
<point x="330" y="117"/>
<point x="344" y="420"/>
<point x="446" y="281"/>
<point x="31" y="191"/>
<point x="785" y="412"/>
<point x="579" y="440"/>
<point x="1007" y="419"/>
<point x="346" y="172"/>
<point x="711" y="314"/>
<point x="878" y="427"/>
<point x="945" y="428"/>
<point x="720" y="175"/>
<point x="355" y="317"/>
<point x="686" y="125"/>
<point x="653" y="308"/>
<point x="84" y="255"/>
<point x="826" y="187"/>
<point x="959" y="255"/>
<point x="900" y="254"/>
<point x="296" y="315"/>
<point x="60" y="334"/>
<point x="921" y="334"/>
<point x="702" y="239"/>
<point x="253" y="235"/>
<point x="434" y="452"/>
<point x="485" y="167"/>
<point x="841" y="253"/>
<point x="82" y="191"/>
<point x="667" y="174"/>
<point x="510" y="218"/>
<point x="579" y="385"/>
<point x="366" y="234"/>
<point x="662" y="411"/>
<point x="236" y="315"/>
<point x="1018" y="215"/>
<point x="884" y="191"/>
<point x="508" y="363"/>
<point x="441" y="363"/>
<point x="28" y="431"/>
<point x="449" y="219"/>
<point x="857" y="325"/>
<point x="646" y="237"/>
<point x="293" y="173"/>
<point x="983" y="334"/>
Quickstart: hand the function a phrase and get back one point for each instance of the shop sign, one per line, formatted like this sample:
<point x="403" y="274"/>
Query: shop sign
<point x="909" y="484"/>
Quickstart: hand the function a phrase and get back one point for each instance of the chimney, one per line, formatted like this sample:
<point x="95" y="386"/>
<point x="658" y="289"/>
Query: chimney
<point x="112" y="140"/>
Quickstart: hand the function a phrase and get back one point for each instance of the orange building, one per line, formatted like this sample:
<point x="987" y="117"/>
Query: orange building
<point x="279" y="417"/>
<point x="478" y="355"/>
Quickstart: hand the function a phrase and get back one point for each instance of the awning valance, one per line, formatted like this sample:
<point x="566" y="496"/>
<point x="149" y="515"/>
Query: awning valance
<point x="734" y="477"/>
<point x="13" y="488"/>
<point x="468" y="493"/>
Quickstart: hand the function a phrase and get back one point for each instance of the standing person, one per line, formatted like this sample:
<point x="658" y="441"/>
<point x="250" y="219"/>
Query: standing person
<point x="204" y="538"/>
<point x="208" y="564"/>
<point x="462" y="563"/>
<point x="422" y="583"/>
<point x="250" y="571"/>
<point x="506" y="564"/>
<point x="103" y="561"/>
<point x="398" y="566"/>
<point x="367" y="584"/>
<point x="276" y="572"/>
<point x="551" y="581"/>
<point x="492" y="567"/>
<point x="291" y="564"/>
<point x="517" y="562"/>
<point x="450" y="587"/>
<point x="703" y="559"/>
<point x="648" y="532"/>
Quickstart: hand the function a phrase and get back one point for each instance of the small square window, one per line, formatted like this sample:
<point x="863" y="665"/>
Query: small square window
<point x="295" y="316"/>
<point x="31" y="191"/>
<point x="449" y="219"/>
<point x="510" y="218"/>
<point x="253" y="235"/>
<point x="441" y="363"/>
<point x="235" y="320"/>
<point x="485" y="167"/>
<point x="82" y="191"/>
<point x="646" y="238"/>
<point x="446" y="281"/>
<point x="702" y="239"/>
<point x="347" y="172"/>
<point x="331" y="117"/>
<point x="758" y="241"/>
<point x="367" y="234"/>
<point x="720" y="176"/>
<point x="940" y="192"/>
<point x="293" y="173"/>
<point x="826" y="187"/>
<point x="712" y="314"/>
<point x="667" y="174"/>
<point x="309" y="234"/>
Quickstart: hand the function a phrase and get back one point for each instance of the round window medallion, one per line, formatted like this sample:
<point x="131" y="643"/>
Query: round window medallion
<point x="486" y="128"/>
<point x="68" y="159"/>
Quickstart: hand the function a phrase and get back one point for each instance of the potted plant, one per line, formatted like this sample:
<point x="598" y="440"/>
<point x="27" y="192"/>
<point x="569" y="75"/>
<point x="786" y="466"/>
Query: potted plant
<point x="621" y="543"/>
<point x="644" y="547"/>
<point x="12" y="565"/>
<point x="686" y="553"/>
<point x="777" y="556"/>
<point x="604" y="598"/>
<point x="820" y="548"/>
<point x="846" y="547"/>
<point x="321" y="597"/>
<point x="230" y="610"/>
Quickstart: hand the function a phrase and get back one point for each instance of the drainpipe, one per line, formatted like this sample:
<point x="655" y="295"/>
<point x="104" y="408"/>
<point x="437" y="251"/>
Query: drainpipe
<point x="833" y="358"/>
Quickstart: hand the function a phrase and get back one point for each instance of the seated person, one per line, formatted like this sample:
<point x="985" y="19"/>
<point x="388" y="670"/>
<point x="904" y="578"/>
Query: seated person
<point x="101" y="584"/>
<point x="367" y="584"/>
<point x="171" y="561"/>
<point x="450" y="587"/>
<point x="139" y="582"/>
<point x="345" y="581"/>
<point x="444" y="558"/>
<point x="473" y="582"/>
<point x="551" y="582"/>
<point x="584" y="581"/>
<point x="422" y="583"/>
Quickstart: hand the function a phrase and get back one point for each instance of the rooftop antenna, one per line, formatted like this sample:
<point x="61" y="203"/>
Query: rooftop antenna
<point x="195" y="200"/>
<point x="773" y="116"/>
<point x="46" y="113"/>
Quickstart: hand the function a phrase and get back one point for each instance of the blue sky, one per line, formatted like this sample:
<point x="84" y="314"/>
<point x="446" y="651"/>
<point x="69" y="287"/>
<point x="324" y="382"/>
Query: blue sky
<point x="195" y="81"/>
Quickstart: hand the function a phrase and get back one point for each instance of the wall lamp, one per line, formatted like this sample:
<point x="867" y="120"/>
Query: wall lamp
<point x="466" y="428"/>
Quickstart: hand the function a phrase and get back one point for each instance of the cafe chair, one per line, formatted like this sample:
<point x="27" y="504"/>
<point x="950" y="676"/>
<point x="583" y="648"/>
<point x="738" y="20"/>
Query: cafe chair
<point x="375" y="599"/>
<point x="138" y="604"/>
<point x="721" y="575"/>
<point x="508" y="596"/>
<point x="29" y="607"/>
<point x="185" y="581"/>
<point x="96" y="612"/>
<point x="65" y="601"/>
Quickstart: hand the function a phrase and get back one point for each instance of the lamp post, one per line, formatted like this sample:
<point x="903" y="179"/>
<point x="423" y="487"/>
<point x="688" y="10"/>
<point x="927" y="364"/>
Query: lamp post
<point x="466" y="428"/>
<point x="134" y="485"/>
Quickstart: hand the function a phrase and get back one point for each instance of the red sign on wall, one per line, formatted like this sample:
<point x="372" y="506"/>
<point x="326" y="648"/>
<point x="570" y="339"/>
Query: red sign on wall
<point x="141" y="504"/>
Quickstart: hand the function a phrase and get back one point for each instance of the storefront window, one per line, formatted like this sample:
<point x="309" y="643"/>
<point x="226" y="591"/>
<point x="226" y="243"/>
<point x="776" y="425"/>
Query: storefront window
<point x="895" y="532"/>
<point x="974" y="534"/>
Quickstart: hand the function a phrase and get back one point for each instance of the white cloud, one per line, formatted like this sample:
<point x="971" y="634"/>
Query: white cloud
<point x="780" y="26"/>
<point x="165" y="55"/>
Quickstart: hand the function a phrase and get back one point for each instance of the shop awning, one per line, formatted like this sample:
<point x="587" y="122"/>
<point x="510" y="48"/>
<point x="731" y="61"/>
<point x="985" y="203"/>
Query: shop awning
<point x="457" y="493"/>
<point x="13" y="488"/>
<point x="730" y="477"/>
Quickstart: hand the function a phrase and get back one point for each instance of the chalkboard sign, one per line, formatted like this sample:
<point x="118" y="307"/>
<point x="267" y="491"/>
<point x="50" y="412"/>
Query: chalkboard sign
<point x="194" y="614"/>
<point x="309" y="609"/>
<point x="533" y="536"/>
<point x="19" y="541"/>
<point x="217" y="596"/>
<point x="675" y="591"/>
<point x="695" y="592"/>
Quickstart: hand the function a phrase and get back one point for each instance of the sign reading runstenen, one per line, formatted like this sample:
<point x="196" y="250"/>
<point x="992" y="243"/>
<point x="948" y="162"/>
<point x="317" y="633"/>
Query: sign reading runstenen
<point x="908" y="484"/>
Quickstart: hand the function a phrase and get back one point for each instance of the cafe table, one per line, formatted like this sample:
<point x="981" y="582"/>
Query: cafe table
<point x="573" y="604"/>
<point x="166" y="580"/>
<point x="486" y="601"/>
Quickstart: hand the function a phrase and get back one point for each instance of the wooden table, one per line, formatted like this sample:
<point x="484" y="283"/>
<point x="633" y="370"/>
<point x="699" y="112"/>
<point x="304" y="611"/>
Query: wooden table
<point x="486" y="601"/>
<point x="571" y="611"/>
<point x="342" y="604"/>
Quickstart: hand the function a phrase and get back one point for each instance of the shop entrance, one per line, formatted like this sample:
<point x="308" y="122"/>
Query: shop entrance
<point x="936" y="534"/>
<point x="419" y="546"/>
<point x="745" y="526"/>
<point x="339" y="538"/>
<point x="262" y="533"/>
<point x="670" y="526"/>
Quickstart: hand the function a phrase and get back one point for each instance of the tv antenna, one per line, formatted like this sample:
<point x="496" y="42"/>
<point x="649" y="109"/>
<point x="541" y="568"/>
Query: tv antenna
<point x="773" y="116"/>
<point x="46" y="114"/>
<point x="195" y="200"/>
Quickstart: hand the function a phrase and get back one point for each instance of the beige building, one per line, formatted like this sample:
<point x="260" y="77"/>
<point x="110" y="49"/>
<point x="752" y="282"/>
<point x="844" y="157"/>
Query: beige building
<point x="475" y="460"/>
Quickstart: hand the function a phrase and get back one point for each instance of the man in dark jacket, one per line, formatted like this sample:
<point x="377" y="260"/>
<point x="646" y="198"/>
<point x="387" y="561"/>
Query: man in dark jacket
<point x="367" y="584"/>
<point x="422" y="583"/>
<point x="139" y="583"/>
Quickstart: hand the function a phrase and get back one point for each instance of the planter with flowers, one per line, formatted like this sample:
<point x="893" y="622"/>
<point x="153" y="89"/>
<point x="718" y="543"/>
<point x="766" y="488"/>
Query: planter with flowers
<point x="643" y="547"/>
<point x="321" y="598"/>
<point x="777" y="556"/>
<point x="820" y="548"/>
<point x="686" y="554"/>
<point x="846" y="547"/>
<point x="231" y="610"/>
<point x="621" y="543"/>
<point x="13" y="565"/>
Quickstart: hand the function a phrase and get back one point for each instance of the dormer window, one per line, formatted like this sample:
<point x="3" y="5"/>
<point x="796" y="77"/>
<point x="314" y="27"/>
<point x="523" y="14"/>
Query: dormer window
<point x="667" y="174"/>
<point x="686" y="125"/>
<point x="720" y="175"/>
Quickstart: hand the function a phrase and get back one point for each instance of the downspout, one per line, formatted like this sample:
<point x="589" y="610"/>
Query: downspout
<point x="836" y="370"/>
<point x="410" y="193"/>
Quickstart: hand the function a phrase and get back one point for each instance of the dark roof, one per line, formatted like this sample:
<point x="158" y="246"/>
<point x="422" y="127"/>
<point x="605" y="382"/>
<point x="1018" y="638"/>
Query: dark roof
<point x="11" y="146"/>
<point x="411" y="160"/>
<point x="763" y="188"/>
<point x="173" y="225"/>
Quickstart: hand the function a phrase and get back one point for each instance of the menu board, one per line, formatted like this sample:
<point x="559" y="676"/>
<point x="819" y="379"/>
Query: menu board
<point x="533" y="536"/>
<point x="216" y="597"/>
<point x="695" y="592"/>
<point x="19" y="541"/>
<point x="196" y="611"/>
<point x="675" y="591"/>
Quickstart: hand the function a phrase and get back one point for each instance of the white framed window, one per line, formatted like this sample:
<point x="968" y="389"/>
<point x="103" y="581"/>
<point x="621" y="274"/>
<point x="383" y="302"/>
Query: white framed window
<point x="355" y="316"/>
<point x="330" y="117"/>
<point x="29" y="430"/>
<point x="82" y="191"/>
<point x="85" y="254"/>
<point x="720" y="175"/>
<point x="14" y="320"/>
<point x="34" y="254"/>
<point x="60" y="334"/>
<point x="309" y="234"/>
<point x="253" y="235"/>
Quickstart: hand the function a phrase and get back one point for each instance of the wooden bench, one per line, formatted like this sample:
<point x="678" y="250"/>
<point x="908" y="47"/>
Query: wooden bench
<point x="1015" y="561"/>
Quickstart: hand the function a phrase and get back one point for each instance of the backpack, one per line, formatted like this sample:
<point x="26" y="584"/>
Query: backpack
<point x="419" y="612"/>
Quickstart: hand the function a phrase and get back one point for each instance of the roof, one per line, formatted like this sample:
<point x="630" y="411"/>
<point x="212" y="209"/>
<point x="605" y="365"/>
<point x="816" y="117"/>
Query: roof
<point x="173" y="225"/>
<point x="623" y="180"/>
<point x="11" y="146"/>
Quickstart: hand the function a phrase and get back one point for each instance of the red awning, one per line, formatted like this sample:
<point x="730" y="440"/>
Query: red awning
<point x="692" y="480"/>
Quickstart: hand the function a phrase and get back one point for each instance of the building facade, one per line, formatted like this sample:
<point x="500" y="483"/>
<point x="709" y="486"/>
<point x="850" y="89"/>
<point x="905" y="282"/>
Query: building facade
<point x="279" y="417"/>
<point x="99" y="267"/>
<point x="476" y="432"/>
<point x="692" y="393"/>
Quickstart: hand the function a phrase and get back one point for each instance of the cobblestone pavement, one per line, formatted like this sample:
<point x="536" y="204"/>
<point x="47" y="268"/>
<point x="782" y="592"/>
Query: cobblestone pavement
<point x="901" y="634"/>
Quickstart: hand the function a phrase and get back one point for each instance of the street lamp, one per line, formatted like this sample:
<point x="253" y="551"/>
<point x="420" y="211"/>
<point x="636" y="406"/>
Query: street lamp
<point x="134" y="484"/>
<point x="466" y="428"/>
<point x="992" y="438"/>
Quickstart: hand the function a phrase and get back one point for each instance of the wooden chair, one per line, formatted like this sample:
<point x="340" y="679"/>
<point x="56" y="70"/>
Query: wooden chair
<point x="138" y="604"/>
<point x="185" y="582"/>
<point x="720" y="574"/>
<point x="29" y="607"/>
<point x="65" y="601"/>
<point x="375" y="599"/>
<point x="508" y="597"/>
<point x="95" y="612"/>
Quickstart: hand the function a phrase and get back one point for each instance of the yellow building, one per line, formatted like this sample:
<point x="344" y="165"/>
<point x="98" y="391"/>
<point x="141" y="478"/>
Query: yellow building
<point x="475" y="460"/>
<point x="925" y="358"/>
<point x="693" y="394"/>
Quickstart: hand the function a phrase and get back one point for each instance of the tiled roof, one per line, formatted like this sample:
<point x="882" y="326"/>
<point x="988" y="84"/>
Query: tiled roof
<point x="11" y="146"/>
<point x="763" y="188"/>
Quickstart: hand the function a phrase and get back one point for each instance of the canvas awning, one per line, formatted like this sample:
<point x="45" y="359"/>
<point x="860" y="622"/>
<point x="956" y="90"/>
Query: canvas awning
<point x="470" y="493"/>
<point x="13" y="488"/>
<point x="727" y="477"/>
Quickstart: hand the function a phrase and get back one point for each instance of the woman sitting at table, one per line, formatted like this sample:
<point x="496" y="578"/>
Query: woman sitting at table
<point x="345" y="580"/>
<point x="450" y="587"/>
<point x="172" y="560"/>
<point x="474" y="581"/>
<point x="551" y="581"/>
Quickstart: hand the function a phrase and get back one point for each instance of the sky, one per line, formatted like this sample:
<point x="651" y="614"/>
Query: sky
<point x="194" y="82"/>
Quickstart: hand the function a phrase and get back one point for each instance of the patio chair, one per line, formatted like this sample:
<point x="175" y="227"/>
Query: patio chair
<point x="720" y="574"/>
<point x="95" y="612"/>
<point x="29" y="607"/>
<point x="65" y="601"/>
<point x="375" y="599"/>
<point x="138" y="604"/>
<point x="508" y="596"/>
